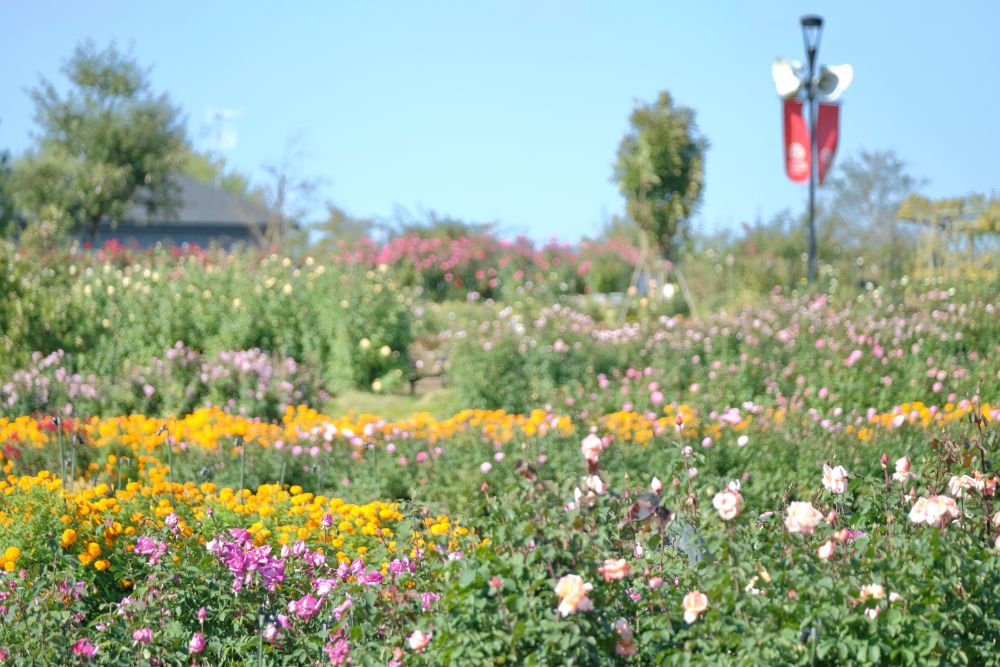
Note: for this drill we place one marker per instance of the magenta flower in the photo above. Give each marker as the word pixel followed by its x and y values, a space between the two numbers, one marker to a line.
pixel 147 546
pixel 340 609
pixel 143 635
pixel 338 650
pixel 371 577
pixel 197 643
pixel 85 648
pixel 324 586
pixel 305 607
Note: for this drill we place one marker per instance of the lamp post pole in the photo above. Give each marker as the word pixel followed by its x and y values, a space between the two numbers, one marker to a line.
pixel 812 27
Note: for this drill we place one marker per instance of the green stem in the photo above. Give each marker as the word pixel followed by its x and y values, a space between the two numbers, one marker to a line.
pixel 62 454
pixel 260 640
pixel 243 466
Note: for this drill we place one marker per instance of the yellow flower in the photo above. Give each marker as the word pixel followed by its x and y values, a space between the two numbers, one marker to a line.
pixel 68 538
pixel 94 549
pixel 101 565
pixel 12 554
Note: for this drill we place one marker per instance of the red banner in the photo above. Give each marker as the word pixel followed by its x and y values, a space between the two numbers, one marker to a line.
pixel 797 159
pixel 827 131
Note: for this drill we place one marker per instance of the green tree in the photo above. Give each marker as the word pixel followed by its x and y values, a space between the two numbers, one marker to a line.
pixel 214 170
pixel 340 226
pixel 660 170
pixel 864 197
pixel 8 218
pixel 974 219
pixel 109 144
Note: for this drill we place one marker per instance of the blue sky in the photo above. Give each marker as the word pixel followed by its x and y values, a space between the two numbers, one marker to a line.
pixel 512 111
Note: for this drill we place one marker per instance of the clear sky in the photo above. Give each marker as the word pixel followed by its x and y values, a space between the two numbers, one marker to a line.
pixel 512 111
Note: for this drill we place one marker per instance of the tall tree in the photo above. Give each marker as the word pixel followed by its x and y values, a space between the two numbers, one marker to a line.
pixel 289 196
pixel 660 170
pixel 105 146
pixel 7 217
pixel 865 195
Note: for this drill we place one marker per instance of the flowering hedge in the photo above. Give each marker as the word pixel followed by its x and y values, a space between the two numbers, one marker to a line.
pixel 216 539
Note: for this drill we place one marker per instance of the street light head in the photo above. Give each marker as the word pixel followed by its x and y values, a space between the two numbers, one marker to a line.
pixel 787 75
pixel 812 26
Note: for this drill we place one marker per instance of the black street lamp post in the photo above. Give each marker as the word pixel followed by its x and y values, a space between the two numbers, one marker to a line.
pixel 812 28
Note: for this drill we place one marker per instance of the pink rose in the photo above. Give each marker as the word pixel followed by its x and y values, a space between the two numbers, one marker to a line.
pixel 728 503
pixel 614 569
pixel 825 551
pixel 835 479
pixel 902 470
pixel 418 641
pixel 592 446
pixel 802 518
pixel 958 485
pixel 197 643
pixel 572 592
pixel 695 603
pixel 937 511
pixel 872 592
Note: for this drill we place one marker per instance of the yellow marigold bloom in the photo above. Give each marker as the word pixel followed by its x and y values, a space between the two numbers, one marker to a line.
pixel 68 538
pixel 12 553
pixel 94 549
pixel 86 558
pixel 10 566
pixel 101 565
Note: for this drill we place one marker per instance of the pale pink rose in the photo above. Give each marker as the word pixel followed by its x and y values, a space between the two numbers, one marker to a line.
pixel 941 510
pixel 918 513
pixel 957 486
pixel 614 569
pixel 872 612
pixel 902 473
pixel 418 641
pixel 655 582
pixel 625 647
pixel 572 592
pixel 729 504
pixel 594 484
pixel 802 518
pixel 996 520
pixel 872 592
pixel 592 446
pixel 835 479
pixel 895 597
pixel 695 603
pixel 656 485
pixel 825 551
pixel 937 511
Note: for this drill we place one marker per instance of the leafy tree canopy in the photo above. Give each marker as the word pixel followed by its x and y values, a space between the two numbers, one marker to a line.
pixel 660 170
pixel 104 146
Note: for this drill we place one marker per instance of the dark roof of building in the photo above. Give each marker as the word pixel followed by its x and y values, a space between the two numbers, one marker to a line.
pixel 200 204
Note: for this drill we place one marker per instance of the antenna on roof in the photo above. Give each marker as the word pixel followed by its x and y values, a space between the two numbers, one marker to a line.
pixel 222 135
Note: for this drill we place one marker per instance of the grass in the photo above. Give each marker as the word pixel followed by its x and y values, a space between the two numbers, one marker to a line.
pixel 440 403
